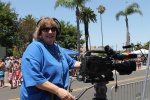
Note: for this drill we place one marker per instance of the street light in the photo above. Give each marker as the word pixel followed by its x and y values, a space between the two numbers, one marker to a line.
pixel 101 9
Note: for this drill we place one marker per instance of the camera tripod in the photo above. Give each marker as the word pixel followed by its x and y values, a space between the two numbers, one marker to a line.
pixel 100 91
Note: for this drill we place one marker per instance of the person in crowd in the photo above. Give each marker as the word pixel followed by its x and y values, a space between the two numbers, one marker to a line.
pixel 11 75
pixel 17 73
pixel 12 59
pixel 45 66
pixel 21 78
pixel 7 62
pixel 2 73
pixel 139 64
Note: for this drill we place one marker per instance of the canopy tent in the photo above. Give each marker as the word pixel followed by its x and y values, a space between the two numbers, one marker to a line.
pixel 141 51
pixel 71 52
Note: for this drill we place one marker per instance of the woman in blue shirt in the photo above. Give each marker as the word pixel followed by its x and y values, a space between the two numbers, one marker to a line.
pixel 45 66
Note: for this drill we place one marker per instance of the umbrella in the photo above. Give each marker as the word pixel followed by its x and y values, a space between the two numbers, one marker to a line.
pixel 144 51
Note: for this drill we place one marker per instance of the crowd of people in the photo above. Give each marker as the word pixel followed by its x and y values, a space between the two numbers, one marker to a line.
pixel 10 65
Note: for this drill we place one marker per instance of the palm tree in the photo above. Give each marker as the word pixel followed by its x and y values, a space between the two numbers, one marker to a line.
pixel 71 4
pixel 131 9
pixel 87 15
pixel 101 9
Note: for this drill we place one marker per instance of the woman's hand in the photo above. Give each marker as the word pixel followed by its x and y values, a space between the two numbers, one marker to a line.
pixel 60 92
pixel 64 94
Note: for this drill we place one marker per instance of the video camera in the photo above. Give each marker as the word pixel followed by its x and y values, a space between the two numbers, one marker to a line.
pixel 96 68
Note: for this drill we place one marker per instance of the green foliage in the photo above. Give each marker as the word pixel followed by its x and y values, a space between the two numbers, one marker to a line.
pixel 71 4
pixel 24 34
pixel 101 9
pixel 8 26
pixel 131 9
pixel 68 36
pixel 146 45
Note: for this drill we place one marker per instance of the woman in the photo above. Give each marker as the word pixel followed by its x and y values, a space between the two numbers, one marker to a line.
pixel 11 74
pixel 45 66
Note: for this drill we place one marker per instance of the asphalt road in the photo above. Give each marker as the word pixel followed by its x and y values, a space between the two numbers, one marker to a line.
pixel 78 86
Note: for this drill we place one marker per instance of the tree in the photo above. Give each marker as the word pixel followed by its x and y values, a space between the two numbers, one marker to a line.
pixel 24 34
pixel 87 15
pixel 71 4
pixel 101 9
pixel 67 38
pixel 146 46
pixel 131 9
pixel 8 26
pixel 28 27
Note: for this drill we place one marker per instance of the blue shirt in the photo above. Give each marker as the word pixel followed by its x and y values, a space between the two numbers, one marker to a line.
pixel 41 63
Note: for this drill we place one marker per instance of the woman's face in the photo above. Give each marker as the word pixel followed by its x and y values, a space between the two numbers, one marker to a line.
pixel 48 34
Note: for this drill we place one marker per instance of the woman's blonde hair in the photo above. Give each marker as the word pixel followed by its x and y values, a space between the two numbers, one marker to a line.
pixel 42 23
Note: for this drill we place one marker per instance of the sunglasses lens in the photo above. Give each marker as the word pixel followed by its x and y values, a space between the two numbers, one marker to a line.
pixel 53 29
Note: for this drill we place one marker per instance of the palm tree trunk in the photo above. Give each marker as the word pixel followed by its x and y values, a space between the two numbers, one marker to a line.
pixel 78 30
pixel 127 35
pixel 86 35
pixel 101 29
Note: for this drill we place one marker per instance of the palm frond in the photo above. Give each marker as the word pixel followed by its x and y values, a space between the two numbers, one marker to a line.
pixel 64 3
pixel 133 8
pixel 120 13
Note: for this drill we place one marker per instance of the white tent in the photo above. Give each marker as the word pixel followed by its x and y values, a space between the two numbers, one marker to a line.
pixel 141 51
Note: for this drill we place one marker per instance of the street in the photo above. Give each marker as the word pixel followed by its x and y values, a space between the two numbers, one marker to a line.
pixel 78 86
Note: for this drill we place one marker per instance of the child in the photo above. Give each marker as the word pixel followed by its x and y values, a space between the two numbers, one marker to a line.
pixel 17 73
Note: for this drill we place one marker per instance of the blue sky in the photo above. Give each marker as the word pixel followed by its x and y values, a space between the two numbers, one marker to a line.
pixel 114 32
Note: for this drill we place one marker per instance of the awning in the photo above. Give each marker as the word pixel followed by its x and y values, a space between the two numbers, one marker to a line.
pixel 71 52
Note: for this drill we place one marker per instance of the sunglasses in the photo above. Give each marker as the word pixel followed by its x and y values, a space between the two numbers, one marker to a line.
pixel 53 29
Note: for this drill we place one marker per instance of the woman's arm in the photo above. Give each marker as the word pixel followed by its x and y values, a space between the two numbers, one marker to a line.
pixel 77 65
pixel 60 92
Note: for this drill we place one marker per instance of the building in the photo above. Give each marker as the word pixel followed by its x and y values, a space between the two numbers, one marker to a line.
pixel 83 49
pixel 2 51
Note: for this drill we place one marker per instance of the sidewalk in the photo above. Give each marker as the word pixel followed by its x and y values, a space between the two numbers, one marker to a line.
pixel 7 84
pixel 143 67
pixel 6 80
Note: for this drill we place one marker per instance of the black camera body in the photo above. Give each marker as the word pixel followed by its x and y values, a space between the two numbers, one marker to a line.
pixel 100 68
